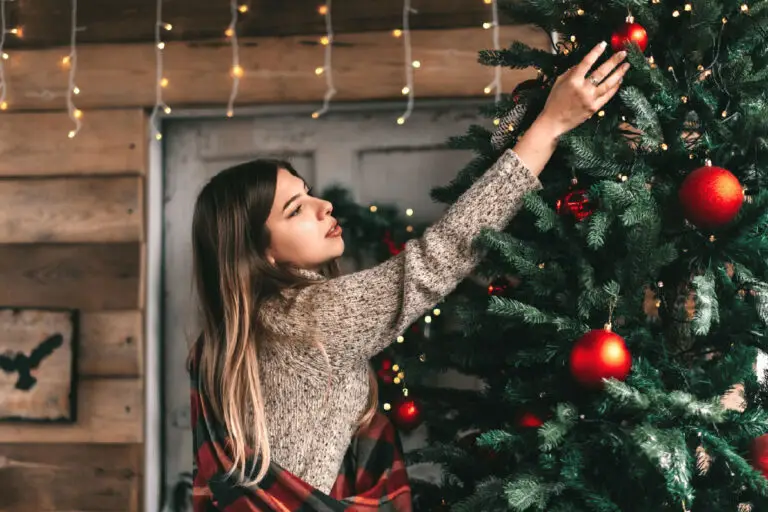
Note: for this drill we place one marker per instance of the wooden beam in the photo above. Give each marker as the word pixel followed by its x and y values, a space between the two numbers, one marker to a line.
pixel 133 21
pixel 71 210
pixel 36 144
pixel 366 66
pixel 59 477
pixel 108 411
pixel 88 276
pixel 110 344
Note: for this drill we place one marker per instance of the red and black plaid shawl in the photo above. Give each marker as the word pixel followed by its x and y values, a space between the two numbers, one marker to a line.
pixel 372 475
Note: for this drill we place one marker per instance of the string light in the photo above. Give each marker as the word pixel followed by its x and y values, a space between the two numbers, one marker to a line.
pixel 160 81
pixel 410 64
pixel 236 71
pixel 75 114
pixel 496 84
pixel 327 41
pixel 3 83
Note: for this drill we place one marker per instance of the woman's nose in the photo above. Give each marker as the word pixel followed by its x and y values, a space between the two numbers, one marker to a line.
pixel 326 208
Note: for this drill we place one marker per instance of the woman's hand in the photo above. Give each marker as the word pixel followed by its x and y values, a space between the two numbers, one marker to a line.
pixel 578 94
pixel 575 97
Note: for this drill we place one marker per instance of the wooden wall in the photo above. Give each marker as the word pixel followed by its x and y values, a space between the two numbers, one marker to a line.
pixel 72 231
pixel 73 226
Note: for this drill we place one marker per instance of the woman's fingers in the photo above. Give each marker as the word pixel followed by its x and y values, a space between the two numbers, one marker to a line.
pixel 607 67
pixel 612 82
pixel 582 68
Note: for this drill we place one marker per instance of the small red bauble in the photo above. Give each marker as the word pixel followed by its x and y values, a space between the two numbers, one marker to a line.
pixel 394 248
pixel 629 33
pixel 385 373
pixel 497 288
pixel 600 354
pixel 529 420
pixel 575 203
pixel 760 454
pixel 406 414
pixel 711 196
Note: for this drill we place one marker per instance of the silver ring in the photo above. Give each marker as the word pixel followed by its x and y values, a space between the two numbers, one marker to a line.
pixel 594 81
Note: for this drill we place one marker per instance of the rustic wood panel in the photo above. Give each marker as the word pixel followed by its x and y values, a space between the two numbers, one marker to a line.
pixel 111 344
pixel 37 356
pixel 37 143
pixel 60 477
pixel 109 411
pixel 71 210
pixel 198 74
pixel 87 276
pixel 134 20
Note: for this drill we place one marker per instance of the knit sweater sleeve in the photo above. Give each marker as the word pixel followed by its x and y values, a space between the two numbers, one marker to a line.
pixel 359 314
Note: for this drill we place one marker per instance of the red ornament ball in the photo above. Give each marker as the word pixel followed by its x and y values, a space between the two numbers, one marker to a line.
pixel 760 454
pixel 406 414
pixel 630 32
pixel 575 203
pixel 711 196
pixel 529 420
pixel 600 354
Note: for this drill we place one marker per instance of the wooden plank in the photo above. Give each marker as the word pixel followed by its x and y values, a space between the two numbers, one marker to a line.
pixel 88 276
pixel 69 477
pixel 366 66
pixel 37 143
pixel 38 350
pixel 108 411
pixel 71 210
pixel 110 344
pixel 133 21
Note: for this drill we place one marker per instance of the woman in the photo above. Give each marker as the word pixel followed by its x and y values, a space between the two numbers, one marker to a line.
pixel 283 358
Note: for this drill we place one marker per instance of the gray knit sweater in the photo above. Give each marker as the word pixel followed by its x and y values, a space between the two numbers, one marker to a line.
pixel 312 403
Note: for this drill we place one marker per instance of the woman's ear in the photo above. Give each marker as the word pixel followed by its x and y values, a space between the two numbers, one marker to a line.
pixel 268 256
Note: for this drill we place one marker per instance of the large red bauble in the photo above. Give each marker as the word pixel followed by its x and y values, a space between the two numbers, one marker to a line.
pixel 711 196
pixel 629 33
pixel 600 354
pixel 760 454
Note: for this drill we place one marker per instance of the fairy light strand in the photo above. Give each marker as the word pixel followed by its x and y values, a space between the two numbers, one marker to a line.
pixel 3 56
pixel 327 69
pixel 160 80
pixel 496 85
pixel 74 113
pixel 237 71
pixel 410 64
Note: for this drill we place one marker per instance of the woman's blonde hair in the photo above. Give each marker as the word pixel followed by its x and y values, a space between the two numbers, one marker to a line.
pixel 233 278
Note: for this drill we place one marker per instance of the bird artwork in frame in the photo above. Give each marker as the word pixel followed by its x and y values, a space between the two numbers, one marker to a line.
pixel 37 365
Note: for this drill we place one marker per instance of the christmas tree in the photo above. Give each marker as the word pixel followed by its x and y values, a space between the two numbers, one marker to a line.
pixel 617 333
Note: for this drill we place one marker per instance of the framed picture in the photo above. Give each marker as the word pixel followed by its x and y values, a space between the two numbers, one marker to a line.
pixel 38 365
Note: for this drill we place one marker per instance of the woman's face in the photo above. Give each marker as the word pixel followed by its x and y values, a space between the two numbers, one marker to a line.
pixel 302 232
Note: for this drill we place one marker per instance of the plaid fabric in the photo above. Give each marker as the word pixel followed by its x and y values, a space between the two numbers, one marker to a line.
pixel 372 475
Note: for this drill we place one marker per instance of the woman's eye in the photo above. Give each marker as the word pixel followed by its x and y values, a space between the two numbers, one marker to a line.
pixel 296 211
